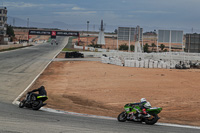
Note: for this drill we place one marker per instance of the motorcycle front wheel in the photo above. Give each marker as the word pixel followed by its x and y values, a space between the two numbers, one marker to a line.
pixel 122 117
pixel 22 104
pixel 37 105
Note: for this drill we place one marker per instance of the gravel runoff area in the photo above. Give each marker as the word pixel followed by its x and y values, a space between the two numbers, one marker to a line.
pixel 91 87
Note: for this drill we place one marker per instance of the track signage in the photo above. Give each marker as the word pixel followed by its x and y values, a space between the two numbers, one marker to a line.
pixel 67 33
pixel 39 32
pixel 53 33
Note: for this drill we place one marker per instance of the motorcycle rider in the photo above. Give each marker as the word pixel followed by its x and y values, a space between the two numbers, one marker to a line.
pixel 41 92
pixel 144 104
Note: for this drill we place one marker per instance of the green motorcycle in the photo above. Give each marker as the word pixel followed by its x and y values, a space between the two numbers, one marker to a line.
pixel 135 113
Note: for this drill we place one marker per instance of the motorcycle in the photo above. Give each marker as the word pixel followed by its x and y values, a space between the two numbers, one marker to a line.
pixel 35 102
pixel 135 113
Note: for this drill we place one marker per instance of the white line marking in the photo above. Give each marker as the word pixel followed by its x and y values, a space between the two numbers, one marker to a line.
pixel 111 118
pixel 177 125
pixel 78 114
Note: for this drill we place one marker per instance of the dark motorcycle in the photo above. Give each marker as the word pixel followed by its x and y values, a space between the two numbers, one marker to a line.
pixel 35 102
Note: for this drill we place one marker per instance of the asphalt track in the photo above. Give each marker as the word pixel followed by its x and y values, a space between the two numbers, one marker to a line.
pixel 17 70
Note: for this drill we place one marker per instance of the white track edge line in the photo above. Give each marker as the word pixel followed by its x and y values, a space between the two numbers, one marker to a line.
pixel 112 118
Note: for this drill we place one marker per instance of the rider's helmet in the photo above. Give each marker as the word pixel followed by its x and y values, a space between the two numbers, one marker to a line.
pixel 143 100
pixel 42 87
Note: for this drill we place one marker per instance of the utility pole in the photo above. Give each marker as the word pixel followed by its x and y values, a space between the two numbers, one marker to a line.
pixel 94 27
pixel 13 21
pixel 113 42
pixel 129 38
pixel 27 22
pixel 87 31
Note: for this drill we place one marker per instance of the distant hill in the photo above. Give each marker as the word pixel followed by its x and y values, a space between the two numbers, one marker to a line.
pixel 56 24
pixel 23 23
pixel 83 27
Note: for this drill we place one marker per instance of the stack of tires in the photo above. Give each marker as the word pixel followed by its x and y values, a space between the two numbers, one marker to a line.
pixel 74 55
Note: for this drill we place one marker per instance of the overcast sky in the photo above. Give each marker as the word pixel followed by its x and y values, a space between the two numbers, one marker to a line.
pixel 165 14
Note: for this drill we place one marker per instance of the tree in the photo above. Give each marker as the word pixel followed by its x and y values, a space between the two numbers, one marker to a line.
pixel 153 45
pixel 115 31
pixel 162 46
pixel 10 31
pixel 123 47
pixel 165 50
pixel 146 48
pixel 132 47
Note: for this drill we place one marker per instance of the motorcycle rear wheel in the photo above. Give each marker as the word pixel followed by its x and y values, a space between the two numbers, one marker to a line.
pixel 37 105
pixel 152 120
pixel 122 117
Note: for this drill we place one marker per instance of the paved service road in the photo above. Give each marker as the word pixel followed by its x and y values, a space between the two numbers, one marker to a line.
pixel 18 68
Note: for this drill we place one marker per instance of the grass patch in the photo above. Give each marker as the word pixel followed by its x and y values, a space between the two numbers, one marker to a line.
pixel 49 40
pixel 70 49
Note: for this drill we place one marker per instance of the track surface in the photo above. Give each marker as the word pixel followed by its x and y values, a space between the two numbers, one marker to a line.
pixel 17 70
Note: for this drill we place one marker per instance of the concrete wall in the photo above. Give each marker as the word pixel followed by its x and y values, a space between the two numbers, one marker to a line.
pixel 12 46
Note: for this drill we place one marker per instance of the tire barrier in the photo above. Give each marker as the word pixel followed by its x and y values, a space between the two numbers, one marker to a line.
pixel 110 60
pixel 195 65
pixel 74 55
pixel 183 65
pixel 147 63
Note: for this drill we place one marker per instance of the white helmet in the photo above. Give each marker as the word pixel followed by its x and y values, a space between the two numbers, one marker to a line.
pixel 143 100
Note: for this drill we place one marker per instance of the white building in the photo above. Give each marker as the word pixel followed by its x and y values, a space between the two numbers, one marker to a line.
pixel 3 25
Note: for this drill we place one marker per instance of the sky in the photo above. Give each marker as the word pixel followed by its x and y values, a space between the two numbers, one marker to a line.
pixel 149 14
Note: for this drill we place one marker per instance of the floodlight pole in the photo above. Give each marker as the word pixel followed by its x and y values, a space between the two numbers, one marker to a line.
pixel 117 39
pixel 189 44
pixel 129 45
pixel 182 44
pixel 170 41
pixel 28 37
pixel 28 22
pixel 157 41
pixel 142 42
pixel 113 42
pixel 87 31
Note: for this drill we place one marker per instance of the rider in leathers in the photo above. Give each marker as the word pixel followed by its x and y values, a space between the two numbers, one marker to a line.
pixel 142 105
pixel 41 92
